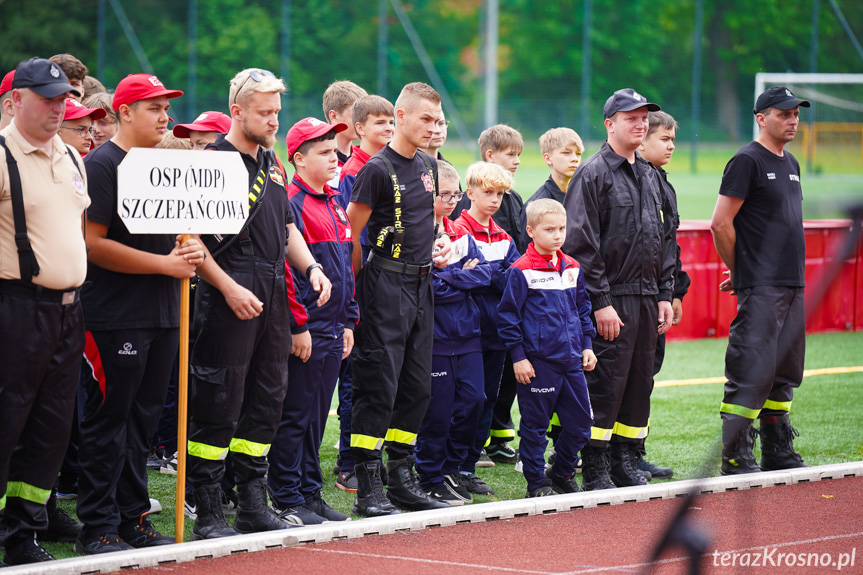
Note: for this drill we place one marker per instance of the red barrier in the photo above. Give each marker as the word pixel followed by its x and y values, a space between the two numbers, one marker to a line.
pixel 708 313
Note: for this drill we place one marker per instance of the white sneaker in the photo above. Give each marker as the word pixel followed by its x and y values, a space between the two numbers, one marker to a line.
pixel 155 506
pixel 189 510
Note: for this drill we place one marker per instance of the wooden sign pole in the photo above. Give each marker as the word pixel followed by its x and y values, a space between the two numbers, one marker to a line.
pixel 182 408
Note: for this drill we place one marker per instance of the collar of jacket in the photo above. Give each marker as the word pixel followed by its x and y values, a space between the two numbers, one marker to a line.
pixel 542 263
pixel 300 183
pixel 475 226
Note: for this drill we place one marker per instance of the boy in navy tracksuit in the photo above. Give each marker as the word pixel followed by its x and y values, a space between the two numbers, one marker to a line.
pixel 545 324
pixel 448 429
pixel 295 479
pixel 487 184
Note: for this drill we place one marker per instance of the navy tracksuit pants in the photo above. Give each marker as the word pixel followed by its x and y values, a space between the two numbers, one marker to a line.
pixel 295 472
pixel 492 362
pixel 448 430
pixel 555 389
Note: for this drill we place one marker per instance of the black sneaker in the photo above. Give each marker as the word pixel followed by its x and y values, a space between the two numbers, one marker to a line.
pixel 320 507
pixel 168 465
pixel 337 467
pixel 61 527
pixel 98 544
pixel 300 515
pixel 541 491
pixel 457 487
pixel 154 461
pixel 651 471
pixel 561 484
pixel 26 552
pixel 347 481
pixel 141 533
pixel 441 493
pixel 474 484
pixel 484 460
pixel 502 453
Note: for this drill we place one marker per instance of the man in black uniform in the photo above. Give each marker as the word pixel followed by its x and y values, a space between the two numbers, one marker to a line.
pixel 758 231
pixel 394 195
pixel 614 204
pixel 243 323
pixel 41 323
pixel 132 314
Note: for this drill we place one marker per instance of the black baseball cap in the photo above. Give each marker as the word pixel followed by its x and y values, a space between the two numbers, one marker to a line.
pixel 43 77
pixel 778 97
pixel 625 100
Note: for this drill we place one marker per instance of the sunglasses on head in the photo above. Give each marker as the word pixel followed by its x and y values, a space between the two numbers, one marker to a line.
pixel 257 76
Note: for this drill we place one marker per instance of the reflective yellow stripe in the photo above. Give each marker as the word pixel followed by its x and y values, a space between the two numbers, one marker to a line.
pixel 3 502
pixel 253 197
pixel 205 451
pixel 778 405
pixel 260 179
pixel 555 420
pixel 504 433
pixel 739 410
pixel 399 436
pixel 249 447
pixel 629 431
pixel 367 442
pixel 27 492
pixel 600 434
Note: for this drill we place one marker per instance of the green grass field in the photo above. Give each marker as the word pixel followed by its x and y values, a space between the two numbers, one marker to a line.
pixel 684 423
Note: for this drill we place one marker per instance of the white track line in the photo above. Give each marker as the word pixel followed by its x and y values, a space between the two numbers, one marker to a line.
pixel 475 513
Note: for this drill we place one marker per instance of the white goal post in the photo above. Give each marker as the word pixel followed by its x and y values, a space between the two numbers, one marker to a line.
pixel 764 78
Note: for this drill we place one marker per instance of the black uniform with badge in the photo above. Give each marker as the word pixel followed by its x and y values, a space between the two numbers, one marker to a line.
pixel 392 354
pixel 239 368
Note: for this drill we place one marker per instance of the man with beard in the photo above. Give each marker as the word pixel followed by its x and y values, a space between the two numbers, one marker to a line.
pixel 243 324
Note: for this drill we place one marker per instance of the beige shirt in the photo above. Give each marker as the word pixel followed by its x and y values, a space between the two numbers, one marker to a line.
pixel 55 196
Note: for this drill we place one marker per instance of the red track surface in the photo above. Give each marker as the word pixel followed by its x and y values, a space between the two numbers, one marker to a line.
pixel 824 517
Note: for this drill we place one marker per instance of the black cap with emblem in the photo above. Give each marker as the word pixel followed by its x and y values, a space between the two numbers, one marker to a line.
pixel 43 77
pixel 625 100
pixel 778 97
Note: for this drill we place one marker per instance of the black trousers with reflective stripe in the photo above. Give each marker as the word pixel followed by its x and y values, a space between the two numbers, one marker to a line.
pixel 40 353
pixel 622 381
pixel 239 370
pixel 392 357
pixel 120 418
pixel 770 322
pixel 502 426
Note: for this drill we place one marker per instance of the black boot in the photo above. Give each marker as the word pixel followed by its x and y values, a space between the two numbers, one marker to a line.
pixel 254 513
pixel 777 444
pixel 649 470
pixel 624 465
pixel 210 522
pixel 594 471
pixel 738 438
pixel 371 501
pixel 404 490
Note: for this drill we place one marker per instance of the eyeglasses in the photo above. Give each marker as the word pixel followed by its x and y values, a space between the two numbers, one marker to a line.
pixel 450 197
pixel 257 76
pixel 443 123
pixel 83 132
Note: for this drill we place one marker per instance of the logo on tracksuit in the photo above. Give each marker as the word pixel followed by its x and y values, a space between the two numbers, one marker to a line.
pixel 127 350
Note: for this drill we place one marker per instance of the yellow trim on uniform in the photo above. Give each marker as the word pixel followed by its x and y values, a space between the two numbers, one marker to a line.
pixel 399 436
pixel 3 502
pixel 249 447
pixel 600 434
pixel 628 431
pixel 366 442
pixel 555 420
pixel 778 405
pixel 740 410
pixel 503 433
pixel 27 492
pixel 204 451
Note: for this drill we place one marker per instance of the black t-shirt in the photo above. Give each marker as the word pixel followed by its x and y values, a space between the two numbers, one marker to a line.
pixel 771 247
pixel 267 231
pixel 114 300
pixel 374 188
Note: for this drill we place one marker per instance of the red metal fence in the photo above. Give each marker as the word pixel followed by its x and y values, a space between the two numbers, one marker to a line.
pixel 708 313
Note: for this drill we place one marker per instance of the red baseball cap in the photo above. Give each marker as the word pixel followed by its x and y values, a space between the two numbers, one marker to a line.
pixel 75 110
pixel 206 122
pixel 136 87
pixel 309 129
pixel 6 84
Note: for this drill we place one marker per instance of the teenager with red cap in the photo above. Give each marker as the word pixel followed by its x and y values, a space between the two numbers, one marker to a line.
pixel 132 314
pixel 77 127
pixel 205 129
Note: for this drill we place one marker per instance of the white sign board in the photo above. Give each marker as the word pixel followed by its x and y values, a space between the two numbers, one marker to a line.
pixel 182 192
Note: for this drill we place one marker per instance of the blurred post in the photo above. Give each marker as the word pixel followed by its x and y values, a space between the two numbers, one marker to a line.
pixel 192 88
pixel 285 62
pixel 697 43
pixel 491 41
pixel 182 409
pixel 584 128
pixel 383 46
